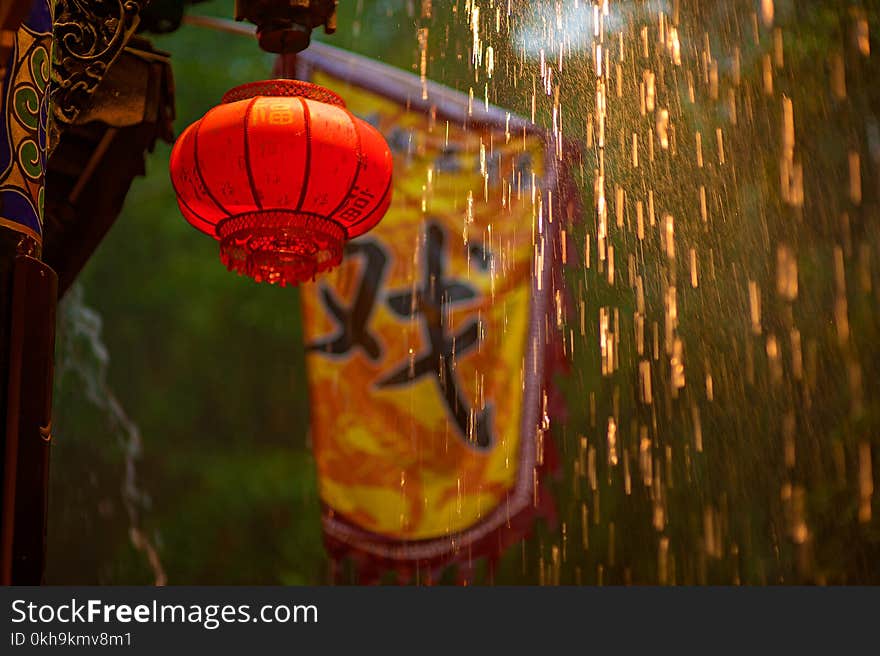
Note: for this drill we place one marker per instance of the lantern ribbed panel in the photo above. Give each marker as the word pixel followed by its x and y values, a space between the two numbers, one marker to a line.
pixel 282 165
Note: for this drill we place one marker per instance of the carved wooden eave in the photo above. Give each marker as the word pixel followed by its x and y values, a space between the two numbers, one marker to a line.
pixel 101 151
pixel 111 97
pixel 89 35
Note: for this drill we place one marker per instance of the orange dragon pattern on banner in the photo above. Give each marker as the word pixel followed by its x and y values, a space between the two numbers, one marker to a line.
pixel 425 347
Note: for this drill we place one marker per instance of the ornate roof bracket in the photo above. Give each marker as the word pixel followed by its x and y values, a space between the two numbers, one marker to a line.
pixel 89 36
pixel 100 154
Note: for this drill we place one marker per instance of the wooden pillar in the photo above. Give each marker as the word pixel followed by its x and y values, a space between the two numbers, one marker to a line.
pixel 28 290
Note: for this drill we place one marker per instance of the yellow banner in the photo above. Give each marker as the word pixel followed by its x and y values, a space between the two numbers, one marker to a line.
pixel 418 344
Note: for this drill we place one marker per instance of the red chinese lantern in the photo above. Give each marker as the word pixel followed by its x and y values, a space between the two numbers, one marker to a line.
pixel 282 175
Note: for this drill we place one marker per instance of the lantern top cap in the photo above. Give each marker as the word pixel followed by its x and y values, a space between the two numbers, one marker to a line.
pixel 283 89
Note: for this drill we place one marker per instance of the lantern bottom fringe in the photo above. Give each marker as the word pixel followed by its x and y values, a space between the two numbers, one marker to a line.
pixel 280 247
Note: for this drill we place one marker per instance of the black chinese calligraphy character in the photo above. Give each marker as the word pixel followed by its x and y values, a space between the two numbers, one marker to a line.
pixel 352 321
pixel 481 256
pixel 429 302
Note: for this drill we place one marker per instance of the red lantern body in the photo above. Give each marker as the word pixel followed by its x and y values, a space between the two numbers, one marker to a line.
pixel 282 174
